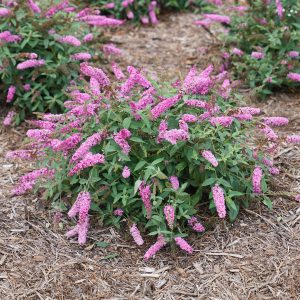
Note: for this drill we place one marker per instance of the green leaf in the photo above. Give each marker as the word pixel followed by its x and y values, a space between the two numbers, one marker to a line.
pixel 102 244
pixel 126 122
pixel 110 256
pixel 209 181
pixel 139 165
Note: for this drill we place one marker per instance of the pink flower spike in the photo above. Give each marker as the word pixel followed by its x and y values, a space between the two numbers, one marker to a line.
pixel 174 182
pixel 169 215
pixel 145 193
pixel 210 157
pixel 184 245
pixel 155 248
pixel 256 180
pixel 293 139
pixel 118 212
pixel 126 172
pixel 219 200
pixel 11 93
pixel 276 121
pixel 136 235
pixel 294 77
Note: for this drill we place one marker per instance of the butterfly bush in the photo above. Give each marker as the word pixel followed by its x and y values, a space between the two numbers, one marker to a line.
pixel 263 44
pixel 162 165
pixel 144 11
pixel 41 49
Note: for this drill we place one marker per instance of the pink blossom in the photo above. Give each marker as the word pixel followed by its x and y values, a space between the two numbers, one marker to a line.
pixel 279 8
pixel 39 134
pixel 20 154
pixel 294 76
pixel 155 247
pixel 28 180
pixel 11 93
pixel 54 9
pixel 257 55
pixel 30 63
pixel 274 171
pixel 81 229
pixel 249 110
pixel 237 51
pixel 276 121
pixel 67 144
pixel 4 12
pixel 44 124
pixel 81 56
pixel 151 10
pixel 88 38
pixel 175 135
pixel 111 49
pixel 210 157
pixel 118 212
pixel 219 200
pixel 89 160
pixel 130 15
pixel 163 106
pixel 110 5
pixel 217 18
pixel 145 193
pixel 256 180
pixel 174 182
pixel 223 121
pixel 95 86
pixel 184 245
pixel 243 117
pixel 196 103
pixel 269 133
pixel 293 54
pixel 126 172
pixel 169 215
pixel 163 127
pixel 136 235
pixel 144 20
pixel 9 118
pixel 34 7
pixel 297 198
pixel 96 73
pixel 104 21
pixel 70 40
pixel 189 118
pixel 120 139
pixel 7 37
pixel 294 139
pixel 117 71
pixel 196 225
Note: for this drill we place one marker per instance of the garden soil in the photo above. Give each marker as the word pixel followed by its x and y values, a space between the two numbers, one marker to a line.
pixel 256 257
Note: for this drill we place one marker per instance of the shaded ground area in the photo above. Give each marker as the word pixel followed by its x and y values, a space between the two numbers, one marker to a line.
pixel 168 49
pixel 257 257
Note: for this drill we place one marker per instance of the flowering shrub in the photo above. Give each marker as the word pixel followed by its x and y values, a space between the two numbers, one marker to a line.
pixel 144 10
pixel 266 39
pixel 39 54
pixel 156 155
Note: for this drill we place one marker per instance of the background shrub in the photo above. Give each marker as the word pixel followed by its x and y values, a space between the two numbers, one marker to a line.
pixel 44 36
pixel 268 33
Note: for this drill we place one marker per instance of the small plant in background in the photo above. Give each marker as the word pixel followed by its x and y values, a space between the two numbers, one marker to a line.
pixel 264 45
pixel 145 11
pixel 41 48
pixel 158 156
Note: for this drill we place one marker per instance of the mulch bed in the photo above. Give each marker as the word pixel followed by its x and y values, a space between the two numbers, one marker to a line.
pixel 256 257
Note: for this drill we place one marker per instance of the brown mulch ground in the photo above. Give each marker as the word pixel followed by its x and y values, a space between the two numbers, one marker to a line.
pixel 257 257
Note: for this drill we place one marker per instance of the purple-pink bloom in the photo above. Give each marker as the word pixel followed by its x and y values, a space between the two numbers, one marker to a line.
pixel 145 193
pixel 70 40
pixel 294 139
pixel 89 160
pixel 4 12
pixel 30 63
pixel 117 71
pixel 223 121
pixel 256 180
pixel 134 231
pixel 111 49
pixel 174 182
pixel 237 52
pixel 126 172
pixel 217 18
pixel 189 118
pixel 120 139
pixel 88 38
pixel 269 133
pixel 163 106
pixel 118 212
pixel 219 200
pixel 81 56
pixel 257 55
pixel 11 93
pixel 184 245
pixel 276 121
pixel 155 247
pixel 169 212
pixel 9 118
pixel 210 157
pixel 294 76
pixel 196 225
pixel 293 54
pixel 96 73
pixel 33 6
pixel 279 8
